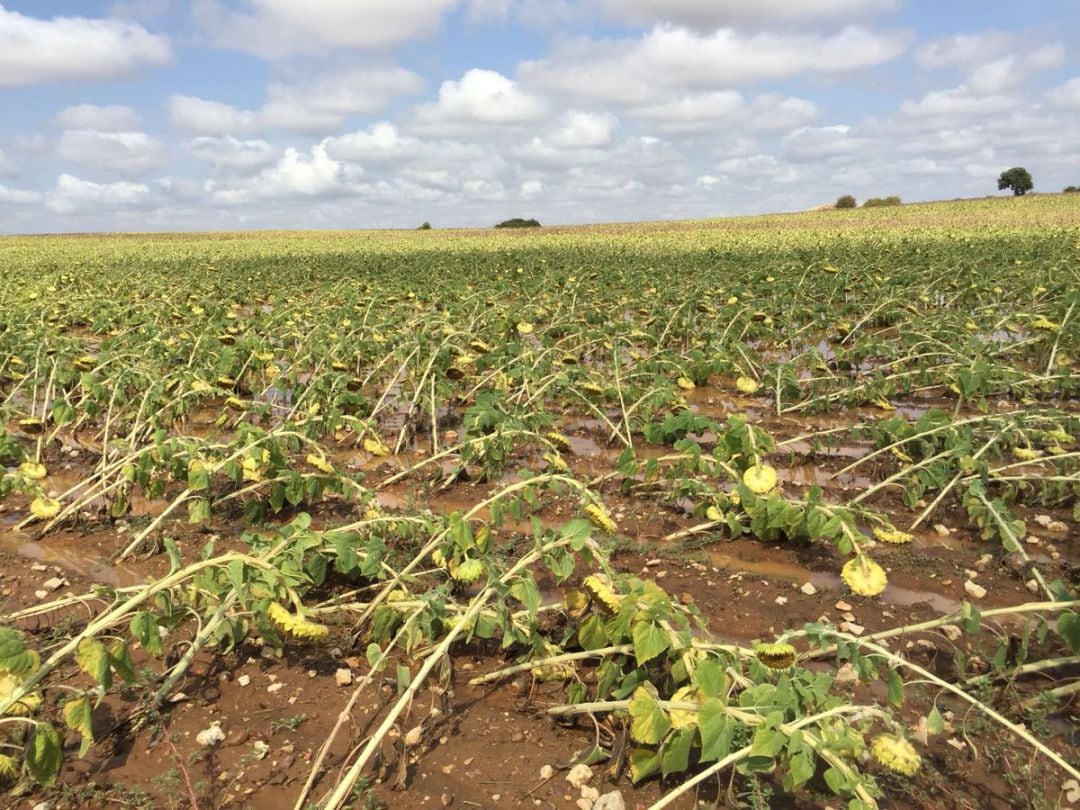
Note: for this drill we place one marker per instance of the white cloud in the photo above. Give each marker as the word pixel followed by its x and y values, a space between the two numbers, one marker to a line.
pixel 17 195
pixel 728 109
pixel 109 118
pixel 34 51
pixel 382 142
pixel 963 49
pixel 713 14
pixel 578 130
pixel 296 175
pixel 227 152
pixel 1067 94
pixel 646 70
pixel 314 107
pixel 957 102
pixel 482 97
pixel 125 152
pixel 7 166
pixel 209 117
pixel 275 28
pixel 72 194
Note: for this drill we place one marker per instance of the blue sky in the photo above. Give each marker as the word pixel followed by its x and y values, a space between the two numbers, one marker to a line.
pixel 222 114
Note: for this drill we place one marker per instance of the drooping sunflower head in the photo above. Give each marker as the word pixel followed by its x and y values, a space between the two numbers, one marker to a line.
pixel 599 518
pixel 602 594
pixel 894 536
pixel 296 626
pixel 32 470
pixel 760 479
pixel 896 754
pixel 864 576
pixel 746 385
pixel 44 508
pixel 775 656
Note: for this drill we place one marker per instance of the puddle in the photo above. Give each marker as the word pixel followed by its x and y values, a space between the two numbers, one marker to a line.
pixel 76 561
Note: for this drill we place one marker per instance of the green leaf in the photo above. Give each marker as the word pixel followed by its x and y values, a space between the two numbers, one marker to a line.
pixel 144 628
pixel 935 723
pixel 643 764
pixel 577 531
pixel 44 754
pixel 1068 627
pixel 837 782
pixel 14 655
pixel 709 676
pixel 717 730
pixel 198 477
pixel 120 658
pixel 896 688
pixel 93 659
pixel 198 511
pixel 591 634
pixel 675 755
pixel 649 722
pixel 78 716
pixel 650 640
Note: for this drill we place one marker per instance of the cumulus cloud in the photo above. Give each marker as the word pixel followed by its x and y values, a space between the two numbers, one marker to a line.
pixel 963 49
pixel 382 142
pixel 645 70
pixel 579 129
pixel 713 14
pixel 227 152
pixel 480 97
pixel 17 195
pixel 295 175
pixel 727 109
pixel 131 153
pixel 72 194
pixel 109 118
pixel 275 28
pixel 1067 94
pixel 314 107
pixel 35 51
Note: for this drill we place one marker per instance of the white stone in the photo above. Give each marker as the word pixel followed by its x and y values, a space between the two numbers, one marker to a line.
pixel 952 632
pixel 343 677
pixel 974 590
pixel 1043 520
pixel 547 772
pixel 610 801
pixel 274 687
pixel 590 793
pixel 808 588
pixel 244 680
pixel 1057 527
pixel 941 530
pixel 579 775
pixel 842 605
pixel 211 736
pixel 54 584
pixel 781 600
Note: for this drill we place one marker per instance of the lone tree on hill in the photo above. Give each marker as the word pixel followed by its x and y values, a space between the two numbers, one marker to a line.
pixel 1018 179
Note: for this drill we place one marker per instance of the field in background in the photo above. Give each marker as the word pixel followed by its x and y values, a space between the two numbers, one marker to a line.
pixel 786 505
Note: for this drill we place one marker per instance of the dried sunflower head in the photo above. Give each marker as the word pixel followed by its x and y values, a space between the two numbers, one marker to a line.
pixel 599 518
pixel 603 595
pixel 296 626
pixel 864 576
pixel 775 656
pixel 560 441
pixel 760 479
pixel 896 754
pixel 892 535
pixel 44 508
pixel 32 470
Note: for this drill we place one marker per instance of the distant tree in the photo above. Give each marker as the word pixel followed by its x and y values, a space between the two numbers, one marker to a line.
pixel 1072 189
pixel 425 227
pixel 881 202
pixel 518 222
pixel 1018 179
pixel 847 201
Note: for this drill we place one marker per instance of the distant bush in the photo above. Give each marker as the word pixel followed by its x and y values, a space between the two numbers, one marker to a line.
pixel 425 227
pixel 881 202
pixel 1072 190
pixel 847 201
pixel 518 222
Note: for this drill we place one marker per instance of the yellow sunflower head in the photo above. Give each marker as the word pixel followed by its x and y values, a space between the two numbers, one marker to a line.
pixel 44 508
pixel 746 385
pixel 760 479
pixel 599 518
pixel 296 626
pixel 775 656
pixel 32 470
pixel 864 576
pixel 894 536
pixel 896 754
pixel 603 595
